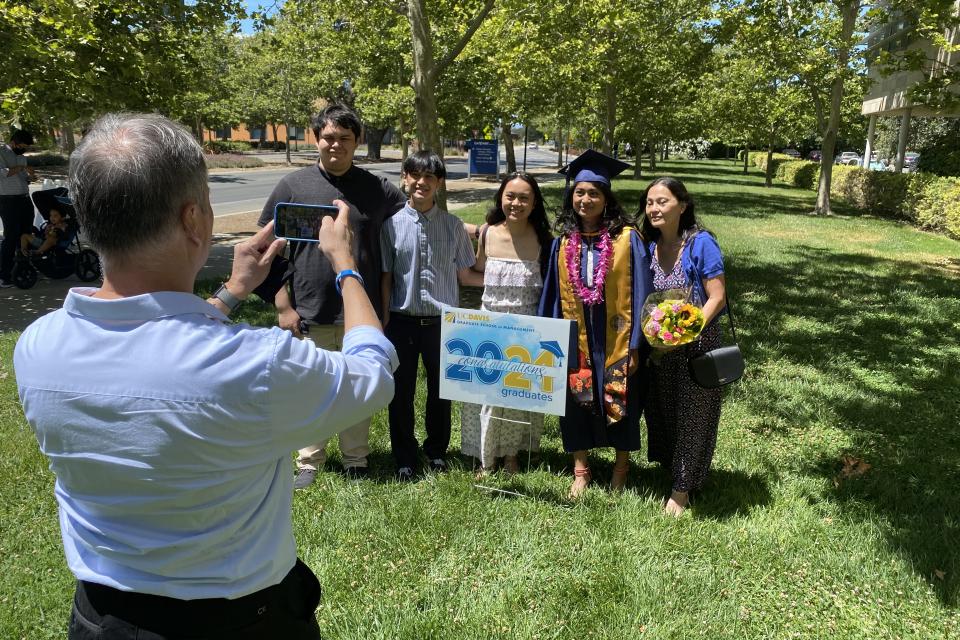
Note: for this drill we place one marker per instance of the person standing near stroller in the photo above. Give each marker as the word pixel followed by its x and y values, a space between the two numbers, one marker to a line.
pixel 16 210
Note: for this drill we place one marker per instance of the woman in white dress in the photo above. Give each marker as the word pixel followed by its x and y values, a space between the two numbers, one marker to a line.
pixel 512 252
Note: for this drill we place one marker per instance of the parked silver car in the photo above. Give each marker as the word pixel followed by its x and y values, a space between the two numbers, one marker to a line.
pixel 848 157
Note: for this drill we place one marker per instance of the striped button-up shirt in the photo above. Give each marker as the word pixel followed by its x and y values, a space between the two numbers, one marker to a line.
pixel 12 185
pixel 424 252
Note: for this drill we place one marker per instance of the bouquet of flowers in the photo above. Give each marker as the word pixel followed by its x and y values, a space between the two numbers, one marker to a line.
pixel 670 319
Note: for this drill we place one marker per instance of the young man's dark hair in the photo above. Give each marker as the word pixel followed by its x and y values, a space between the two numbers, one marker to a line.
pixel 22 137
pixel 337 114
pixel 424 162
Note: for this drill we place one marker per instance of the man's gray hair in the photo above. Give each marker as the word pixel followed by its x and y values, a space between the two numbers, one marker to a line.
pixel 130 177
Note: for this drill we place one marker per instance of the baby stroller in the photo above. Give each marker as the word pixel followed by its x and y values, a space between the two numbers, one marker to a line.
pixel 67 257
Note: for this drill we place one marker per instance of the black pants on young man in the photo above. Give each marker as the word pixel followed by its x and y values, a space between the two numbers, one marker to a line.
pixel 285 610
pixel 416 337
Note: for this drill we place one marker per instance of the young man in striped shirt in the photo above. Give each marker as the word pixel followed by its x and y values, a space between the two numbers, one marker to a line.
pixel 426 254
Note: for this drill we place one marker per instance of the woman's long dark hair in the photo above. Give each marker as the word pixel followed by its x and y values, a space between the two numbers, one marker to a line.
pixel 614 217
pixel 538 216
pixel 689 224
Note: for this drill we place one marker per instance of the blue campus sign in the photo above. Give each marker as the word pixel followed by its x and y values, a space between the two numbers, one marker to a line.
pixel 484 157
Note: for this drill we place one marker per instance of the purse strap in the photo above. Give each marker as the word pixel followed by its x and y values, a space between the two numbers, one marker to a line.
pixel 729 312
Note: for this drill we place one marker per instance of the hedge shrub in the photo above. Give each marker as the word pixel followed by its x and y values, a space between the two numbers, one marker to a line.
pixel 231 161
pixel 226 146
pixel 799 173
pixel 929 201
pixel 47 159
pixel 934 203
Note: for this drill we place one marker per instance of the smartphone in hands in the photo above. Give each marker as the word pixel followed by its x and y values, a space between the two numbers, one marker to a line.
pixel 300 222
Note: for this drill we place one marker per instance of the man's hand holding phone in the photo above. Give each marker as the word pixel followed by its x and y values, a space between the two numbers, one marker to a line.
pixel 336 238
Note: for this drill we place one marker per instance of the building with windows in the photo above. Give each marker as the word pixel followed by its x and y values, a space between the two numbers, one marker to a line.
pixel 263 135
pixel 889 95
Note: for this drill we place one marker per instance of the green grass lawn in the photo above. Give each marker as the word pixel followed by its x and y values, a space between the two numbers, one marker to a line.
pixel 851 331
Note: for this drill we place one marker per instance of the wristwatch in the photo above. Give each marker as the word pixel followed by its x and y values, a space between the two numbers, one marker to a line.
pixel 223 295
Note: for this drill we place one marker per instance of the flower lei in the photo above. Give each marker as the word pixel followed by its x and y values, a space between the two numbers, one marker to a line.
pixel 587 295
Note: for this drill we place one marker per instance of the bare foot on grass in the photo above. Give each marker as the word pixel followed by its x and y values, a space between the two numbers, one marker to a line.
pixel 677 503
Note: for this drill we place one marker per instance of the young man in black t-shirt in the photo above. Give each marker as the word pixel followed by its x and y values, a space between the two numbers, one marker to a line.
pixel 308 304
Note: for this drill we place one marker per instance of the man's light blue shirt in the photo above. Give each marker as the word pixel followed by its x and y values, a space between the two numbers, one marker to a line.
pixel 169 431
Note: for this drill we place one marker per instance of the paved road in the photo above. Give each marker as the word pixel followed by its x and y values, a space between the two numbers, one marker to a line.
pixel 233 192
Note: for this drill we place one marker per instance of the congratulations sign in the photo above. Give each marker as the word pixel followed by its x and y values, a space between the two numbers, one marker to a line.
pixel 504 360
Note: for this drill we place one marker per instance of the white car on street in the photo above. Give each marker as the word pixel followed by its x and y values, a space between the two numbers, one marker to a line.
pixel 847 157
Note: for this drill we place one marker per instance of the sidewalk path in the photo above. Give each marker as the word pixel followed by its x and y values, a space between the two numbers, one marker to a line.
pixel 19 307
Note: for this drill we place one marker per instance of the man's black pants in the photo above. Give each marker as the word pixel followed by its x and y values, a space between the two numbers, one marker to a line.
pixel 416 337
pixel 16 213
pixel 285 610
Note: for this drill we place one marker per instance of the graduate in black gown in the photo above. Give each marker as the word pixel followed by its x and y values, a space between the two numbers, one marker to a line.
pixel 599 276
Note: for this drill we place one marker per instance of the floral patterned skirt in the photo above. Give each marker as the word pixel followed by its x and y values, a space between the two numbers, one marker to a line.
pixel 682 417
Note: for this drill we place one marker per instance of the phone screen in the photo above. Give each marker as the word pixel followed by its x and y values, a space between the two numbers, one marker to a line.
pixel 295 221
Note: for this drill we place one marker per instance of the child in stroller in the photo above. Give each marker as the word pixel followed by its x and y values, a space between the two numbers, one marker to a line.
pixel 56 250
pixel 52 233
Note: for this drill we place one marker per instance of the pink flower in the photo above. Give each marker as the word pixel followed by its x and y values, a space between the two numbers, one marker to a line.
pixel 676 307
pixel 653 327
pixel 667 336
pixel 657 314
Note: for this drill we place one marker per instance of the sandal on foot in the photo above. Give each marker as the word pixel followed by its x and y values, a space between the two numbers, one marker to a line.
pixel 581 480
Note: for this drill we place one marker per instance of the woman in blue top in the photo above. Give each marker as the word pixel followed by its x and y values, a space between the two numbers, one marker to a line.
pixel 682 417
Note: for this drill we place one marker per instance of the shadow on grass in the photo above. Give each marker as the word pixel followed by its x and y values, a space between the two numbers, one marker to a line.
pixel 870 346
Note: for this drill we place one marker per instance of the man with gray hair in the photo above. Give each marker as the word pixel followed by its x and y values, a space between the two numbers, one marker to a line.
pixel 167 427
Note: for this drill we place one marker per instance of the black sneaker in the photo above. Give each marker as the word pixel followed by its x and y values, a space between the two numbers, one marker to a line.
pixel 5 284
pixel 438 465
pixel 305 478
pixel 356 473
pixel 405 474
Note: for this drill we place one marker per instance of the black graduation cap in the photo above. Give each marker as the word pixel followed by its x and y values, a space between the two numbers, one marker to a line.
pixel 57 198
pixel 593 166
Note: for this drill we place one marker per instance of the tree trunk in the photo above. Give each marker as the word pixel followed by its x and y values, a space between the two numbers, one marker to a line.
pixel 637 164
pixel 287 125
pixel 424 77
pixel 69 142
pixel 610 119
pixel 263 137
pixel 768 174
pixel 849 14
pixel 508 146
pixel 746 158
pixel 665 151
pixel 375 142
pixel 275 141
pixel 560 140
pixel 198 129
pixel 653 156
pixel 401 128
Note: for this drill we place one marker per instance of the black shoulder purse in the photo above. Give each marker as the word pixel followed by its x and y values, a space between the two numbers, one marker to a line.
pixel 720 366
